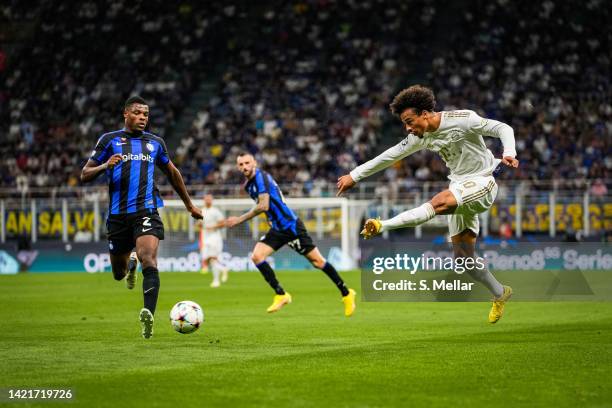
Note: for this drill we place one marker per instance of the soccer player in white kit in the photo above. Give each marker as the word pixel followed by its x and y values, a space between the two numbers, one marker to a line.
pixel 457 137
pixel 211 241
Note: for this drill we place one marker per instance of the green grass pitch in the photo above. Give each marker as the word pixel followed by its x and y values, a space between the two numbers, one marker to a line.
pixel 81 331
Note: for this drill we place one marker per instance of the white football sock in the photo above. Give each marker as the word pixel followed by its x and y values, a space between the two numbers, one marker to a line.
pixel 486 278
pixel 216 269
pixel 410 218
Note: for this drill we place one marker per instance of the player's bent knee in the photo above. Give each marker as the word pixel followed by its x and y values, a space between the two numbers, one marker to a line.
pixel 147 257
pixel 318 263
pixel 444 203
pixel 147 260
pixel 257 258
pixel 149 263
pixel 442 207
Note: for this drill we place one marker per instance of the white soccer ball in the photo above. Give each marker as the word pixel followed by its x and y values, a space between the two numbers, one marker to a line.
pixel 186 316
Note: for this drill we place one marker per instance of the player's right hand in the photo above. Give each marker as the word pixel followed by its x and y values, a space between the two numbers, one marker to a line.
pixel 195 212
pixel 345 182
pixel 114 160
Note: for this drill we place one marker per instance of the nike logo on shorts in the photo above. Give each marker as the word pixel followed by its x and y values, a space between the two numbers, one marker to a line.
pixel 146 229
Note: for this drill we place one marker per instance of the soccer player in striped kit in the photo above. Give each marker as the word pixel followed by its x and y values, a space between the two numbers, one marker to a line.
pixel 457 137
pixel 285 229
pixel 128 157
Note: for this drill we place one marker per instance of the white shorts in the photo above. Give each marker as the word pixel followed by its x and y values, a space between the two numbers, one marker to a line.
pixel 212 248
pixel 474 196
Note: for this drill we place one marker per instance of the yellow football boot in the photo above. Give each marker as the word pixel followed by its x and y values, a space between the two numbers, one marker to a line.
pixel 349 303
pixel 497 310
pixel 371 228
pixel 279 302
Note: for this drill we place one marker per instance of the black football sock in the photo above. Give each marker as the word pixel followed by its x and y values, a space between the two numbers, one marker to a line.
pixel 333 275
pixel 150 287
pixel 268 274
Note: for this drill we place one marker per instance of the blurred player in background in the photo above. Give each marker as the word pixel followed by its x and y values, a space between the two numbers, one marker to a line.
pixel 128 157
pixel 211 241
pixel 457 137
pixel 285 228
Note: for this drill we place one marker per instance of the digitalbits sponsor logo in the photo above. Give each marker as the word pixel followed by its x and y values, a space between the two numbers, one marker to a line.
pixel 139 156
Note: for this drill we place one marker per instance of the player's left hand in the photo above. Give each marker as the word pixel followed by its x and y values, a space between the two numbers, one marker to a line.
pixel 231 222
pixel 196 212
pixel 510 161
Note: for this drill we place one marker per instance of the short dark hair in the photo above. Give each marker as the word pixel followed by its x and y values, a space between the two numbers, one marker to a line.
pixel 418 97
pixel 244 153
pixel 132 100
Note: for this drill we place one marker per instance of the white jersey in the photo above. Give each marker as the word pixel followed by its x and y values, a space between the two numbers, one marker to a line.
pixel 458 140
pixel 212 216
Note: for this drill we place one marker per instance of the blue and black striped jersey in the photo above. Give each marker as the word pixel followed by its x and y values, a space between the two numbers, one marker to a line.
pixel 131 184
pixel 280 216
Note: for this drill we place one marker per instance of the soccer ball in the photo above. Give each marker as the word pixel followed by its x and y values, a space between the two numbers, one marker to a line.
pixel 186 316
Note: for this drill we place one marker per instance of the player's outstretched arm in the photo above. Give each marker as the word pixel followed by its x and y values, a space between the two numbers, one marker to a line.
pixel 176 180
pixel 263 205
pixel 92 169
pixel 404 148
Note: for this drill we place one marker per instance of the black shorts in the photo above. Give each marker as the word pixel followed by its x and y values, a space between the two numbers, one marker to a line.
pixel 123 229
pixel 299 241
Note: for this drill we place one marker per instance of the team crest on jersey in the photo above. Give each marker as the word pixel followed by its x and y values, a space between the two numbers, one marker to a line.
pixel 406 141
pixel 150 147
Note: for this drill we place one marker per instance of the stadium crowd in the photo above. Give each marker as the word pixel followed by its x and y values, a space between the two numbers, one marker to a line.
pixel 308 93
pixel 66 85
pixel 305 85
